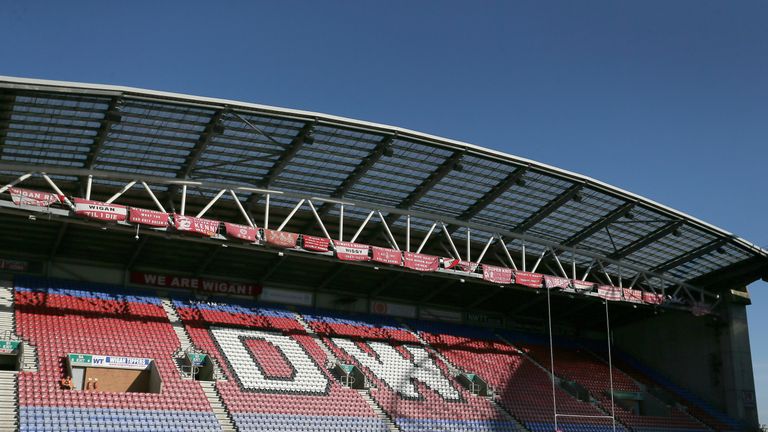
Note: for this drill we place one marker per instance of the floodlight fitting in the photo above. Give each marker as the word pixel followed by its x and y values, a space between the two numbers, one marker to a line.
pixel 309 136
pixel 459 167
pixel 218 128
pixel 676 232
pixel 520 182
pixel 113 117
pixel 577 197
pixel 388 151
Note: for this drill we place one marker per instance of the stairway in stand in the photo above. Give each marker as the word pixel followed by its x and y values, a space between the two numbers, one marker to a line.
pixel 379 412
pixel 9 409
pixel 8 327
pixel 225 419
pixel 185 342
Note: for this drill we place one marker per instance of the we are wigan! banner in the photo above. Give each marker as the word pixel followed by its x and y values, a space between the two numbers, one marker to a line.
pixel 315 244
pixel 100 210
pixel 347 251
pixel 205 227
pixel 30 197
pixel 387 256
pixel 420 262
pixel 241 232
pixel 499 275
pixel 210 286
pixel 146 217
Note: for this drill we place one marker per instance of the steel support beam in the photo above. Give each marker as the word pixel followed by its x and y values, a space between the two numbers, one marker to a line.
pixel 550 208
pixel 355 176
pixel 498 190
pixel 527 305
pixel 689 256
pixel 331 275
pixel 440 172
pixel 206 136
pixel 482 299
pixel 274 265
pixel 136 252
pixel 103 133
pixel 604 222
pixel 386 284
pixel 645 240
pixel 7 102
pixel 290 151
pixel 57 241
pixel 215 250
pixel 436 292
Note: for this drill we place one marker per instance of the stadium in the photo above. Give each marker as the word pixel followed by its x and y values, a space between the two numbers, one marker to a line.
pixel 182 263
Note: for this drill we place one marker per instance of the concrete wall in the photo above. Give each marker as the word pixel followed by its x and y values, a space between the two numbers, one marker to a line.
pixel 681 346
pixel 708 356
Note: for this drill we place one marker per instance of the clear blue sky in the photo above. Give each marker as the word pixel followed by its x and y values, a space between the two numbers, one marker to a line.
pixel 668 99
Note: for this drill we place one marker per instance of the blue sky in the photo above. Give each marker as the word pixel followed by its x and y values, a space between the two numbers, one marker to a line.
pixel 665 99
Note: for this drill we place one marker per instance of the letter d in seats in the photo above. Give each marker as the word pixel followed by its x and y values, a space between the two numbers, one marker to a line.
pixel 307 377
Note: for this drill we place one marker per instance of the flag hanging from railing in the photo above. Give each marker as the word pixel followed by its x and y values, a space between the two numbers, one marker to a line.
pixel 30 197
pixel 100 210
pixel 347 251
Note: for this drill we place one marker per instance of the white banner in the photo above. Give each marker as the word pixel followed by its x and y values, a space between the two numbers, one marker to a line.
pixel 277 295
pixel 439 315
pixel 115 362
pixel 394 309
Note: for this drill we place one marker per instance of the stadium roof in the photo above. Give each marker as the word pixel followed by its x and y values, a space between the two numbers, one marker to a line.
pixel 174 142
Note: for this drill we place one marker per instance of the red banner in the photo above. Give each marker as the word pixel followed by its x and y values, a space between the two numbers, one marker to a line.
pixel 241 232
pixel 609 292
pixel 316 244
pixel 533 280
pixel 387 256
pixel 700 309
pixel 556 282
pixel 632 295
pixel 653 298
pixel 100 211
pixel 420 262
pixel 30 197
pixel 499 275
pixel 467 266
pixel 449 263
pixel 281 238
pixel 13 265
pixel 205 227
pixel 582 285
pixel 151 218
pixel 209 286
pixel 347 251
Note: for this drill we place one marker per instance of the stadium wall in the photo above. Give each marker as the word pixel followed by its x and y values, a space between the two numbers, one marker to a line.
pixel 710 358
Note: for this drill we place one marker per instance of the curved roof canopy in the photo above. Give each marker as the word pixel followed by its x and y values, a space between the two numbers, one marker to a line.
pixel 70 130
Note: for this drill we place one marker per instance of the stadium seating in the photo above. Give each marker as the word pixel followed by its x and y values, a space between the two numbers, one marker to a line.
pixel 277 376
pixel 578 364
pixel 524 389
pixel 695 405
pixel 61 317
pixel 269 388
pixel 415 388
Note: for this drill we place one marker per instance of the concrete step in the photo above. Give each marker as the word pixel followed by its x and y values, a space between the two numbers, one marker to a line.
pixel 217 406
pixel 379 411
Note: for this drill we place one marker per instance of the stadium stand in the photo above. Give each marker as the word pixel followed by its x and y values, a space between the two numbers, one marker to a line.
pixel 577 364
pixel 277 377
pixel 61 317
pixel 523 388
pixel 411 385
pixel 270 388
